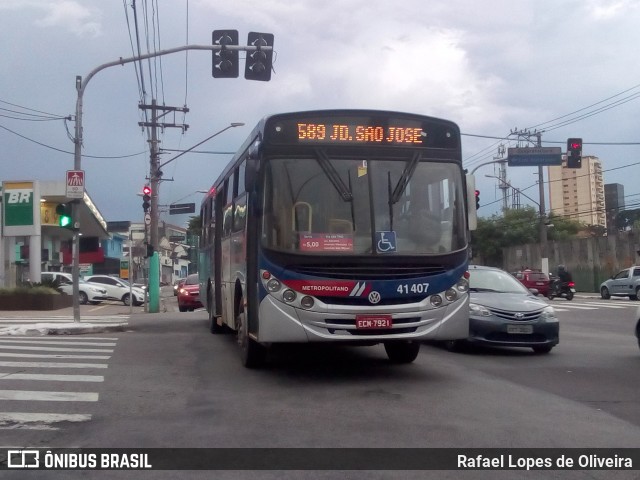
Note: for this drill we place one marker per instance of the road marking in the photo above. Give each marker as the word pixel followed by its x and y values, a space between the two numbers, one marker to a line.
pixel 49 377
pixel 53 365
pixel 46 341
pixel 48 396
pixel 36 355
pixel 57 349
pixel 38 421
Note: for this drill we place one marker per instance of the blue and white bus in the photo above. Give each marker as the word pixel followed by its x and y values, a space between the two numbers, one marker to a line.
pixel 340 226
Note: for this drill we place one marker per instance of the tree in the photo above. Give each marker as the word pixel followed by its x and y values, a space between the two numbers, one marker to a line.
pixel 195 225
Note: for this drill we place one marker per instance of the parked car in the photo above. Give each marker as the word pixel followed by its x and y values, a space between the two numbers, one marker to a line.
pixel 118 289
pixel 504 313
pixel 625 283
pixel 534 279
pixel 87 293
pixel 189 294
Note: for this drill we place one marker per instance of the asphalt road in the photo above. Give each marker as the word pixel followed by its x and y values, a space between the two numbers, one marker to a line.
pixel 169 383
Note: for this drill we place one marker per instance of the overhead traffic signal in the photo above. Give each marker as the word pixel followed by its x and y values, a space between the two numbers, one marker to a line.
pixel 64 213
pixel 146 198
pixel 477 199
pixel 258 63
pixel 574 153
pixel 225 61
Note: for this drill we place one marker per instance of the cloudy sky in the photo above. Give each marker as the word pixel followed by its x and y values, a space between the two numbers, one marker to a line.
pixel 566 67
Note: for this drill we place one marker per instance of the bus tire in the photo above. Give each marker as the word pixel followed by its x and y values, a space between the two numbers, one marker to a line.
pixel 402 351
pixel 214 328
pixel 252 354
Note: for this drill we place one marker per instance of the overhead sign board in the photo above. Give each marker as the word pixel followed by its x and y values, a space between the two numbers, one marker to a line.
pixel 534 156
pixel 75 184
pixel 180 208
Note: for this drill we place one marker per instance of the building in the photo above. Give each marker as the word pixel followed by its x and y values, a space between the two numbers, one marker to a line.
pixel 578 193
pixel 614 202
pixel 32 240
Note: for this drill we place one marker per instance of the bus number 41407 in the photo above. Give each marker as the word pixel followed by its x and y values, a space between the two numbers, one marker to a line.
pixel 406 289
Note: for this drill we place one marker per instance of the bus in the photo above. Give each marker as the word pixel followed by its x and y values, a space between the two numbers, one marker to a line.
pixel 340 226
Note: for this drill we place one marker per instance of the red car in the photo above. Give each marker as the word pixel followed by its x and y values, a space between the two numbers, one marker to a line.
pixel 535 279
pixel 189 294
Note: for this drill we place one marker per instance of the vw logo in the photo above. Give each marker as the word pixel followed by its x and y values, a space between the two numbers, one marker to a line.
pixel 519 315
pixel 374 297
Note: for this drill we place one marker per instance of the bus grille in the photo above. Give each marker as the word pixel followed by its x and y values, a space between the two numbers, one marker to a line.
pixel 357 271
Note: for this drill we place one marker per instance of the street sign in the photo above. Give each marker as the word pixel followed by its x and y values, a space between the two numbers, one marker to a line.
pixel 75 183
pixel 534 156
pixel 177 238
pixel 180 208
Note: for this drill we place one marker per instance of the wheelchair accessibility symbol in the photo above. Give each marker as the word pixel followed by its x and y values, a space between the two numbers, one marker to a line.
pixel 385 242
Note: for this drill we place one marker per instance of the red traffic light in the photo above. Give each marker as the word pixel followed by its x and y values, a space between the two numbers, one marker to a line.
pixel 146 190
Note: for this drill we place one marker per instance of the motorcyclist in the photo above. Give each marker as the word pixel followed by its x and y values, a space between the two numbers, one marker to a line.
pixel 563 274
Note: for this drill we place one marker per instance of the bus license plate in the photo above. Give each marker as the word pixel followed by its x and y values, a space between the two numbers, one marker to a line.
pixel 372 322
pixel 519 328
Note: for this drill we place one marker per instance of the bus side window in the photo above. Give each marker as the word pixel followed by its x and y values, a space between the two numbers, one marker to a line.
pixel 227 212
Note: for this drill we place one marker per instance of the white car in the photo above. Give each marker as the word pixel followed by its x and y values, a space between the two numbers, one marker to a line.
pixel 118 289
pixel 87 293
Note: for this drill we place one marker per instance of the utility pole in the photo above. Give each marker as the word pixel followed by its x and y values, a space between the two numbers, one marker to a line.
pixel 526 135
pixel 155 174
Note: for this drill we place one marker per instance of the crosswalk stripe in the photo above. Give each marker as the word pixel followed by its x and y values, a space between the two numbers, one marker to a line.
pixel 50 377
pixel 38 421
pixel 52 365
pixel 54 355
pixel 56 349
pixel 46 341
pixel 48 396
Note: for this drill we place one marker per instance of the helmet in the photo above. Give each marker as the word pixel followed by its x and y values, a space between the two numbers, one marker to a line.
pixel 561 268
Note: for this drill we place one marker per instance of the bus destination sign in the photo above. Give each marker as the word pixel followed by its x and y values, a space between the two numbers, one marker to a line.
pixel 353 133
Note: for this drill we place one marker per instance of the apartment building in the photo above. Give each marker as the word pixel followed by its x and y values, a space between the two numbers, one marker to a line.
pixel 578 193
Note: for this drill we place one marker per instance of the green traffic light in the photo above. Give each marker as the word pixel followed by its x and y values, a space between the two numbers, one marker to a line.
pixel 64 220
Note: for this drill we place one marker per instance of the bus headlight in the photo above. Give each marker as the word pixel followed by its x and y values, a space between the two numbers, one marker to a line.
pixel 306 301
pixel 463 285
pixel 451 294
pixel 436 300
pixel 273 285
pixel 289 295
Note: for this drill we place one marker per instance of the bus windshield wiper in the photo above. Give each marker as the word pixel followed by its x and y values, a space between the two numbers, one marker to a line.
pixel 407 173
pixel 333 175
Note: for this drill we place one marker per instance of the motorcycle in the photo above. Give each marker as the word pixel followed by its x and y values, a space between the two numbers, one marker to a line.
pixel 562 289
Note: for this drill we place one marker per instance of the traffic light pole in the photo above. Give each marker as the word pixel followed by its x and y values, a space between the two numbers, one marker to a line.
pixel 81 85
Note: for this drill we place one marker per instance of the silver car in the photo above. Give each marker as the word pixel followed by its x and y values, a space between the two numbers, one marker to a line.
pixel 88 293
pixel 504 313
pixel 118 289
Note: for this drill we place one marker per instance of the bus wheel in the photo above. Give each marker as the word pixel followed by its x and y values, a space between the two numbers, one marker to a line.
pixel 402 351
pixel 252 354
pixel 213 320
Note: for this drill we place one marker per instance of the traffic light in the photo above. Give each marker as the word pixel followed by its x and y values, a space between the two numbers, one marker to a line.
pixel 146 198
pixel 477 199
pixel 63 211
pixel 225 62
pixel 258 63
pixel 149 251
pixel 574 153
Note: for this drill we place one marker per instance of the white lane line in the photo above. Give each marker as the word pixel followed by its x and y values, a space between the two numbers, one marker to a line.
pixel 46 341
pixel 574 307
pixel 38 421
pixel 48 396
pixel 56 349
pixel 55 355
pixel 53 365
pixel 70 338
pixel 50 377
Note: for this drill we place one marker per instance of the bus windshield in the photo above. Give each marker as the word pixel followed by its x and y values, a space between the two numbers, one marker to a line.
pixel 339 205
